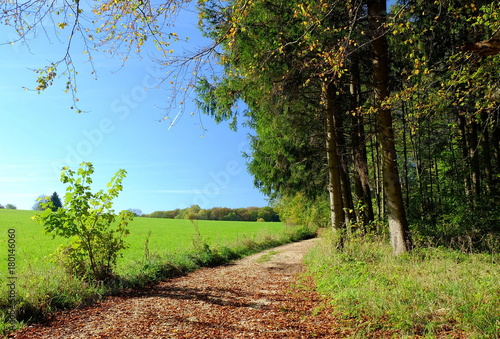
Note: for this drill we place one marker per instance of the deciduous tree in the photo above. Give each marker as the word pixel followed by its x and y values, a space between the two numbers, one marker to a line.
pixel 88 219
pixel 40 202
pixel 398 222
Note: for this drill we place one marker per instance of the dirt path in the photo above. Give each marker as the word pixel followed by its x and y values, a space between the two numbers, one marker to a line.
pixel 256 297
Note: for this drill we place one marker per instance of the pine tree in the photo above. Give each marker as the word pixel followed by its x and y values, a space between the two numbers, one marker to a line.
pixel 56 202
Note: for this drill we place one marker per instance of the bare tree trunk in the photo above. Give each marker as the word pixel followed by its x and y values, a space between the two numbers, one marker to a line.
pixel 438 185
pixel 485 145
pixel 358 137
pixel 465 155
pixel 376 162
pixel 363 179
pixel 470 154
pixel 398 224
pixel 405 154
pixel 415 146
pixel 455 177
pixel 430 195
pixel 473 145
pixel 334 166
pixel 338 122
pixel 346 191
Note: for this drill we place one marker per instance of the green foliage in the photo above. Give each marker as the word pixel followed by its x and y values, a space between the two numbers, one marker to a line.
pixel 10 207
pixel 40 203
pixel 88 220
pixel 275 57
pixel 137 212
pixel 430 292
pixel 43 290
pixel 463 227
pixel 219 213
pixel 275 72
pixel 300 210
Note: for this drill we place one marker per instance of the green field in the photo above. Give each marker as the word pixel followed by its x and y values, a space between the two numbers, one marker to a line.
pixel 173 247
pixel 166 236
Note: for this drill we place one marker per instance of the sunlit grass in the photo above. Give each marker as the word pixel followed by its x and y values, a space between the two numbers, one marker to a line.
pixel 165 236
pixel 431 291
pixel 176 235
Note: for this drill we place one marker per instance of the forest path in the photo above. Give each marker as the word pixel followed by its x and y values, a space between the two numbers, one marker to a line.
pixel 260 296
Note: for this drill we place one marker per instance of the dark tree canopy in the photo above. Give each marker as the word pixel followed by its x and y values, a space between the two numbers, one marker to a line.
pixel 56 201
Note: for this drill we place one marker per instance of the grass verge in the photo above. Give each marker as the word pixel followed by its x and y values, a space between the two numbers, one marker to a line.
pixel 431 293
pixel 42 290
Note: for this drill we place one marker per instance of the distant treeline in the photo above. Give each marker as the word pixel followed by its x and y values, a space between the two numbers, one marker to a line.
pixel 219 213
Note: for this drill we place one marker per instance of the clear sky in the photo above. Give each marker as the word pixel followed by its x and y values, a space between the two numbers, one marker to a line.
pixel 168 167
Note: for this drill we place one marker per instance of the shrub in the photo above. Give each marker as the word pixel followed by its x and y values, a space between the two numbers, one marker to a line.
pixel 89 221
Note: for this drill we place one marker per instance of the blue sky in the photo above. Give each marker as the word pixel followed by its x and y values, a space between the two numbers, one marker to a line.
pixel 168 167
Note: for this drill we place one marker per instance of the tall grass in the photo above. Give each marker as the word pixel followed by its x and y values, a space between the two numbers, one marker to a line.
pixel 430 292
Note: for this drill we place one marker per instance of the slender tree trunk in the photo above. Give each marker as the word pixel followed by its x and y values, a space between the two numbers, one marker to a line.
pixel 438 186
pixel 430 195
pixel 473 146
pixel 398 224
pixel 485 145
pixel 346 191
pixel 465 156
pixel 405 154
pixel 415 145
pixel 361 169
pixel 376 163
pixel 456 175
pixel 358 137
pixel 338 122
pixel 470 153
pixel 334 166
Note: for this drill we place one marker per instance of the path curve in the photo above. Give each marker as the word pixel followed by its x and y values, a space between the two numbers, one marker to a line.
pixel 255 297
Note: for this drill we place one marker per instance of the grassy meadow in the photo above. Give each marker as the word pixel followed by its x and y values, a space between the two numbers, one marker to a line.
pixel 164 236
pixel 159 248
